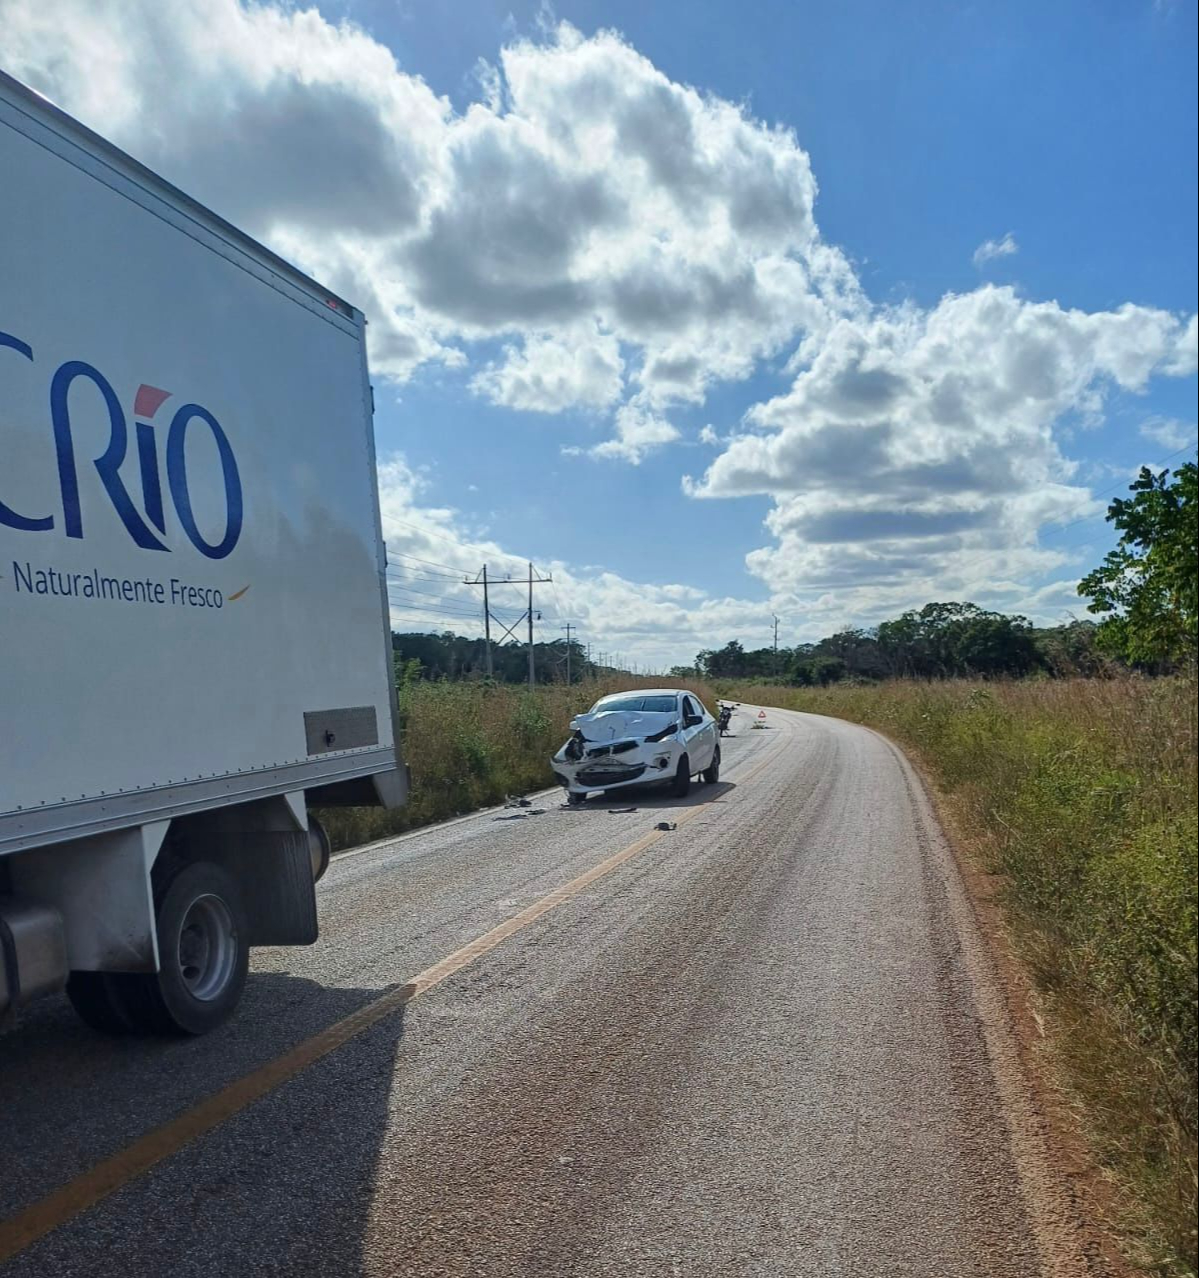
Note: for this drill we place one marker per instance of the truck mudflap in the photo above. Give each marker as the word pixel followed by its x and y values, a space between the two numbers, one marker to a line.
pixel 274 872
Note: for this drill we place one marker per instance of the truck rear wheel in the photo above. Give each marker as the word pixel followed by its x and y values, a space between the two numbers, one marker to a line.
pixel 202 952
pixel 95 999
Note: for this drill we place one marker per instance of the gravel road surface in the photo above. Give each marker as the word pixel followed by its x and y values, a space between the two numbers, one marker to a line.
pixel 763 1044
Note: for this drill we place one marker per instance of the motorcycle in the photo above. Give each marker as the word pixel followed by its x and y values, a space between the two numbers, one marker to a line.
pixel 722 722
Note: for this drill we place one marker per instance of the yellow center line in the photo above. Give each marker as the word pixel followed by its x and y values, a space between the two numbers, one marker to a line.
pixel 116 1171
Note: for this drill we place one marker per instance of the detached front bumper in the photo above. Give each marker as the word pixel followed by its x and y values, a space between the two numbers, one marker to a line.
pixel 608 768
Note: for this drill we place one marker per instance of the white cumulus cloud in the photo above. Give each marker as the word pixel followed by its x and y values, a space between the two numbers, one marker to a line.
pixel 1169 432
pixel 586 202
pixel 639 430
pixel 989 250
pixel 550 372
pixel 915 454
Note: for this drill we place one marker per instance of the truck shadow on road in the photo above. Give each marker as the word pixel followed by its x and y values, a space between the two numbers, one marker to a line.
pixel 284 1186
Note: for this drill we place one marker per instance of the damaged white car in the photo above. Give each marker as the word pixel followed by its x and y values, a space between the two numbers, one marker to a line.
pixel 638 738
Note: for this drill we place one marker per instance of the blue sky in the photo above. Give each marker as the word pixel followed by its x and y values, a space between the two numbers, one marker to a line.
pixel 841 392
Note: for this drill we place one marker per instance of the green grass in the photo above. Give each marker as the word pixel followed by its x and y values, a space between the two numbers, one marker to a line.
pixel 470 745
pixel 1082 796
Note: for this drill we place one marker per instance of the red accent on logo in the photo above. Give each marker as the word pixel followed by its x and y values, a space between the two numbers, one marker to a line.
pixel 149 400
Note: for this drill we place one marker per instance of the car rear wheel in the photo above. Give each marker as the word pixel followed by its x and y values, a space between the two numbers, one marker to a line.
pixel 712 772
pixel 575 800
pixel 681 786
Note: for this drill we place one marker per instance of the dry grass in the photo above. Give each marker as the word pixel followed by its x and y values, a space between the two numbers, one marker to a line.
pixel 469 745
pixel 1082 796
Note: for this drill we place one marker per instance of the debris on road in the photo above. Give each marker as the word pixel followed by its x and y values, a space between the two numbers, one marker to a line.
pixel 667 825
pixel 614 811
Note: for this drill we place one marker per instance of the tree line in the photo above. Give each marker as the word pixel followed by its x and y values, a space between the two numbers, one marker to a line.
pixel 450 656
pixel 941 640
pixel 1145 591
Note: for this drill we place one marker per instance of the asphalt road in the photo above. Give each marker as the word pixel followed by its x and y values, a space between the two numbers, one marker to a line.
pixel 761 1044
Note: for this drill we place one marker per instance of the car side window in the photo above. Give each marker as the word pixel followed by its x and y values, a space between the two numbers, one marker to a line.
pixel 689 707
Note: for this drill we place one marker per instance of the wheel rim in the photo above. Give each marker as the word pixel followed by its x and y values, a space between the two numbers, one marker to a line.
pixel 207 950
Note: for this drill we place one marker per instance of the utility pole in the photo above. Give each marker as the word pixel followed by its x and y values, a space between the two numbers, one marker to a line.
pixel 487 624
pixel 481 579
pixel 532 673
pixel 531 579
pixel 568 628
pixel 774 663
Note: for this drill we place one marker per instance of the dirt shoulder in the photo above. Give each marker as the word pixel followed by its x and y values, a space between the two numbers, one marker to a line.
pixel 1073 1202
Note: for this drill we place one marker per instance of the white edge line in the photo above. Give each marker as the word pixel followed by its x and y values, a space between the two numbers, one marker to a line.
pixel 392 839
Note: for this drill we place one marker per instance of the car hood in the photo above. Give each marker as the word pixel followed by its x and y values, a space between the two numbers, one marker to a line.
pixel 620 725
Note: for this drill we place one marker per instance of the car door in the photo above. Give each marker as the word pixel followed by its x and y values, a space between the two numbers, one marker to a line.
pixel 700 737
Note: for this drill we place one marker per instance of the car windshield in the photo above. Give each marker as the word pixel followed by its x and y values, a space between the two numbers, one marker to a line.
pixel 654 705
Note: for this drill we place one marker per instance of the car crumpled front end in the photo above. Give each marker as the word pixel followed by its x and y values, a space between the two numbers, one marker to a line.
pixel 616 748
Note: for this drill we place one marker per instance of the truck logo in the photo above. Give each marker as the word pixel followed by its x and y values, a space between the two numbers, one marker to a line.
pixel 146 526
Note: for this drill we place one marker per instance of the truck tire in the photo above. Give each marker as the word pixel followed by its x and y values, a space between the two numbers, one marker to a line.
pixel 712 771
pixel 681 786
pixel 202 952
pixel 97 1002
pixel 319 848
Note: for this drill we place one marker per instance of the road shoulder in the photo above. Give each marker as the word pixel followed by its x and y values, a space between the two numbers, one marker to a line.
pixel 1071 1203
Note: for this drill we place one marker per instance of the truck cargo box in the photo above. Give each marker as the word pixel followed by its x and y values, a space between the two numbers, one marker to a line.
pixel 192 574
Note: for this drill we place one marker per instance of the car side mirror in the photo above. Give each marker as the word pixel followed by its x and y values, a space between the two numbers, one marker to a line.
pixel 692 720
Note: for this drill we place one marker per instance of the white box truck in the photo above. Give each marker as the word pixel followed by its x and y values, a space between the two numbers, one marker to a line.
pixel 193 609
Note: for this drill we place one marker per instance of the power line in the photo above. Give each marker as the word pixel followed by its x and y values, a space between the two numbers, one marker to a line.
pixel 451 541
pixel 414 573
pixel 1103 492
pixel 450 570
pixel 398 584
pixel 412 605
pixel 438 601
